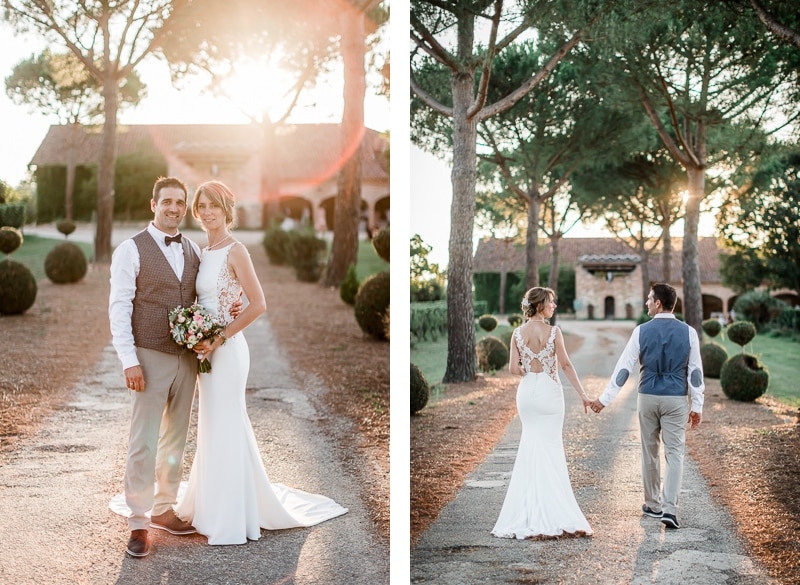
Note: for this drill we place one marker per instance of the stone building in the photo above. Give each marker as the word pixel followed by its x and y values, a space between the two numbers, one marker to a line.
pixel 292 169
pixel 608 274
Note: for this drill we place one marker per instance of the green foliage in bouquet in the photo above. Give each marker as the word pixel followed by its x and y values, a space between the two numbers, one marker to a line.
pixel 372 303
pixel 420 390
pixel 65 263
pixel 492 354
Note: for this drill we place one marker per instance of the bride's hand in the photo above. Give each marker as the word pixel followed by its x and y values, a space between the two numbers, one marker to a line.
pixel 587 402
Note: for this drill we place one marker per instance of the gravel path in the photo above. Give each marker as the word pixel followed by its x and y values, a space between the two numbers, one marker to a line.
pixel 603 455
pixel 55 526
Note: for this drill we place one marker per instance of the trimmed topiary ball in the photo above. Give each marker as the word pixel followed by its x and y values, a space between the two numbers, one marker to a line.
pixel 492 354
pixel 65 264
pixel 741 332
pixel 487 322
pixel 65 226
pixel 349 287
pixel 17 288
pixel 276 244
pixel 372 302
pixel 515 319
pixel 744 378
pixel 381 243
pixel 713 356
pixel 420 390
pixel 712 327
pixel 10 239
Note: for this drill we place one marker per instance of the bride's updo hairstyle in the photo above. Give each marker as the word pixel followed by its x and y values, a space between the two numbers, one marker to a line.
pixel 217 193
pixel 535 300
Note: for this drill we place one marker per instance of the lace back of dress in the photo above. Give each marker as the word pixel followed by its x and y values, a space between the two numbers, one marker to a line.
pixel 546 357
pixel 228 291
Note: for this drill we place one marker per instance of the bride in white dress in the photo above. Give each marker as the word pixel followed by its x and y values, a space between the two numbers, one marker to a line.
pixel 229 497
pixel 539 502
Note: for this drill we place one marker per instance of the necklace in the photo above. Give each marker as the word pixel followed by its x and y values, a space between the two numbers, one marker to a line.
pixel 212 246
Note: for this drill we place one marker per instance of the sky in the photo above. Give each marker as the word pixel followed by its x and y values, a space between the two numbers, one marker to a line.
pixel 24 130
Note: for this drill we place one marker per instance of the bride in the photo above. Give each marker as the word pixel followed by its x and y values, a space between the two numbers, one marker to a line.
pixel 539 502
pixel 229 497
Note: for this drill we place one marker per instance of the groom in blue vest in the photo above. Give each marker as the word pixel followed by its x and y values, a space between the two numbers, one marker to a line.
pixel 670 378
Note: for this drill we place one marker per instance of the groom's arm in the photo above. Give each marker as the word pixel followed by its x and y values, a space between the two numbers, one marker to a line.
pixel 124 270
pixel 622 371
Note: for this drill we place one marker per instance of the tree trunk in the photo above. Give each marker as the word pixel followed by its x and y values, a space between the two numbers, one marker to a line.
pixel 667 255
pixel 532 241
pixel 105 170
pixel 460 312
pixel 344 250
pixel 645 264
pixel 69 193
pixel 270 173
pixel 552 281
pixel 692 296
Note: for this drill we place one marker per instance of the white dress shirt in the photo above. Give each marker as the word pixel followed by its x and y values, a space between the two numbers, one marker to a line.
pixel 124 271
pixel 630 359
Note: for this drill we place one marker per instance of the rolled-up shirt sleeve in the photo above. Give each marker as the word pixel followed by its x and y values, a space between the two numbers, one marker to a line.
pixel 697 386
pixel 124 270
pixel 623 370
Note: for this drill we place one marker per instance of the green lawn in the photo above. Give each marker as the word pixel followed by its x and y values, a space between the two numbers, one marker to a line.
pixel 431 357
pixel 368 261
pixel 779 355
pixel 34 250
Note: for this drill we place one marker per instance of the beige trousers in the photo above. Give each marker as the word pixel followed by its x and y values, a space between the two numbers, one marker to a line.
pixel 663 418
pixel 159 426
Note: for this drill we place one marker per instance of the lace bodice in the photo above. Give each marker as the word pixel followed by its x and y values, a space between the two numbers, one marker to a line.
pixel 217 288
pixel 546 356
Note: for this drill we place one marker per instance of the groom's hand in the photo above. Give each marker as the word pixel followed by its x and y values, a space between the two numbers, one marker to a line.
pixel 596 405
pixel 694 419
pixel 134 378
pixel 236 308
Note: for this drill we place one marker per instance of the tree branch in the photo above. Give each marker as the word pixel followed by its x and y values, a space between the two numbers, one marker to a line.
pixel 521 91
pixel 429 100
pixel 782 32
pixel 428 43
pixel 486 70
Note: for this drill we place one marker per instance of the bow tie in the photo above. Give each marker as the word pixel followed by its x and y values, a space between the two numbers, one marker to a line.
pixel 170 239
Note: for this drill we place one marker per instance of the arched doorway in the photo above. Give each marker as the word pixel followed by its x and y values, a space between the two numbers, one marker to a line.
pixel 609 308
pixel 711 304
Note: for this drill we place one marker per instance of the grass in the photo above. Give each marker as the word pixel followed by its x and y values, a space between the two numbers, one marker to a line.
pixel 431 358
pixel 779 355
pixel 35 249
pixel 368 261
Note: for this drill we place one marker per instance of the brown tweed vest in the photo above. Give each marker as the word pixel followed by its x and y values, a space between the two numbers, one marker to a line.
pixel 158 291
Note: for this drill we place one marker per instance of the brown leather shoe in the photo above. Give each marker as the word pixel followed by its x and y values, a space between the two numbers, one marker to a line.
pixel 170 522
pixel 138 545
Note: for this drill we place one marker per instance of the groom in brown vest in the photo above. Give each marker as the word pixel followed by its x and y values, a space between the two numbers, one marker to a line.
pixel 152 273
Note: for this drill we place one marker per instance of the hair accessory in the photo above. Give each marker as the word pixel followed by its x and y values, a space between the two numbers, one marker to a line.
pixel 526 303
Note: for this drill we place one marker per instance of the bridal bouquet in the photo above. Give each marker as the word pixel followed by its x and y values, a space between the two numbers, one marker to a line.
pixel 191 325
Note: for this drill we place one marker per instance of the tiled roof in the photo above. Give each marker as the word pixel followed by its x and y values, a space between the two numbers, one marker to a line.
pixel 490 254
pixel 305 150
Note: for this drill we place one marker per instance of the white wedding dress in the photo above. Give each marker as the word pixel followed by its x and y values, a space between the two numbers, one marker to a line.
pixel 539 501
pixel 229 497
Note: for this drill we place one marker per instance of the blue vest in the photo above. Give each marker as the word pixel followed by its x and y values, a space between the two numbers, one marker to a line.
pixel 664 357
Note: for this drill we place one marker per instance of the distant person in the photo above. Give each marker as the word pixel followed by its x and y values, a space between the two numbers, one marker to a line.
pixel 668 354
pixel 539 501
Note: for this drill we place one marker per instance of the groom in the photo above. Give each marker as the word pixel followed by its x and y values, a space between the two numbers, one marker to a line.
pixel 152 273
pixel 668 353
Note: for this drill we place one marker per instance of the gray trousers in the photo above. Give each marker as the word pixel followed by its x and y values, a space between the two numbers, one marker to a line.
pixel 663 418
pixel 159 426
